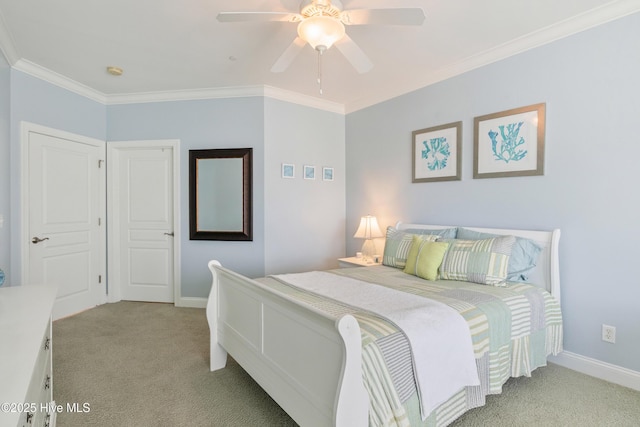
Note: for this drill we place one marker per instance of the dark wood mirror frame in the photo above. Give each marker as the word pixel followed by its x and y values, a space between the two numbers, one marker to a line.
pixel 246 155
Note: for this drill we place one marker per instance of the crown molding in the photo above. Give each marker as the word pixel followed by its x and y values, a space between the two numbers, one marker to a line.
pixel 59 80
pixel 585 21
pixel 185 95
pixel 306 100
pixel 227 92
pixel 593 18
pixel 179 95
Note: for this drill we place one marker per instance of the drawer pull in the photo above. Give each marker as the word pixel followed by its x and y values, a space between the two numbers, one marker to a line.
pixel 47 383
pixel 47 343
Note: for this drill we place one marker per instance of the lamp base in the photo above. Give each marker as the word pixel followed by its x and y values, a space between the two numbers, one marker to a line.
pixel 368 250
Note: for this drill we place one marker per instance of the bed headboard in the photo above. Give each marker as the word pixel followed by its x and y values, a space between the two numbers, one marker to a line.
pixel 547 271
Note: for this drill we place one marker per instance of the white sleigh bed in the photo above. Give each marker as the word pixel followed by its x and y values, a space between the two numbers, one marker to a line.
pixel 310 362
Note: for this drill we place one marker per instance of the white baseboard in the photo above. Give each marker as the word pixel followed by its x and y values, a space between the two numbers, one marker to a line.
pixel 191 302
pixel 596 368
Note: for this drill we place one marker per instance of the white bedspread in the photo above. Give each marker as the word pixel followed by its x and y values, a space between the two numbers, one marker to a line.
pixel 439 336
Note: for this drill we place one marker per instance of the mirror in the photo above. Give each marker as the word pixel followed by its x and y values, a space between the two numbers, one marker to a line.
pixel 220 194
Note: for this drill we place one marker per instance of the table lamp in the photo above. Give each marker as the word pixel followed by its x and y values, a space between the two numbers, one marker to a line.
pixel 368 229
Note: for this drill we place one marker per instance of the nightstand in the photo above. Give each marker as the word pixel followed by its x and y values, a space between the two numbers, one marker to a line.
pixel 355 262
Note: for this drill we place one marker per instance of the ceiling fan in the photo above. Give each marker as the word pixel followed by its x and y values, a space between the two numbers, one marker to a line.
pixel 321 23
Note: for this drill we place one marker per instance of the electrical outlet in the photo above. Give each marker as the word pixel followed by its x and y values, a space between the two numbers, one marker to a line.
pixel 609 333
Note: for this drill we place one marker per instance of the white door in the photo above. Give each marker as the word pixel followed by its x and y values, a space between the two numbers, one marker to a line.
pixel 142 221
pixel 63 216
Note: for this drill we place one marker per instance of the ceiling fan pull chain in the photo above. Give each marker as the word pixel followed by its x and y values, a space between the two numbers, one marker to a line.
pixel 320 50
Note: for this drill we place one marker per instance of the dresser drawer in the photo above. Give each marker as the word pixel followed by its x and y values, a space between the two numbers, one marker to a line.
pixel 39 394
pixel 26 371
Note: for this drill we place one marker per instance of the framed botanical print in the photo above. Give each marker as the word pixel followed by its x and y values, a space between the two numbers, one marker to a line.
pixel 509 143
pixel 437 153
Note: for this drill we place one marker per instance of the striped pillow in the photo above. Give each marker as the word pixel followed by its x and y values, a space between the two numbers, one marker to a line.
pixel 483 261
pixel 397 245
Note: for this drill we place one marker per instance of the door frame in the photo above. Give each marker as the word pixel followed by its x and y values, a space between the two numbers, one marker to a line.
pixel 113 226
pixel 25 129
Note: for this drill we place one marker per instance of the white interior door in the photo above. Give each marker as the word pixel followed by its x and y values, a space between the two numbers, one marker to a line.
pixel 142 221
pixel 63 216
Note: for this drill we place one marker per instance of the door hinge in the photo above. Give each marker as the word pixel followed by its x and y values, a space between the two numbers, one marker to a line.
pixel 99 278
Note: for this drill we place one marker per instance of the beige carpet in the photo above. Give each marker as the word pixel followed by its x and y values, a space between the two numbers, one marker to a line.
pixel 143 364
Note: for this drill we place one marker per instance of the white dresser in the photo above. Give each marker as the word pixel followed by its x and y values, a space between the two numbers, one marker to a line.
pixel 26 381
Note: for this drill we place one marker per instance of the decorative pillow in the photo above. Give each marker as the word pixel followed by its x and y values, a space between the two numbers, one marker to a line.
pixel 425 257
pixel 524 254
pixel 479 261
pixel 397 245
pixel 443 233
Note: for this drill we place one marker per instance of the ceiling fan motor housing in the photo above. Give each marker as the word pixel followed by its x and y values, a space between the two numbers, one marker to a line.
pixel 309 8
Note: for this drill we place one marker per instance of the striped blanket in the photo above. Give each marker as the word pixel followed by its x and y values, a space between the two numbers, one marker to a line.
pixel 513 330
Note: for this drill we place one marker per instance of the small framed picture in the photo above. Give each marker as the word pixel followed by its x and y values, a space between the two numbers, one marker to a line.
pixel 288 170
pixel 327 174
pixel 309 172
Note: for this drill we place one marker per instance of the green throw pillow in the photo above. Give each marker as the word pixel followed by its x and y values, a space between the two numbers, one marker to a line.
pixel 425 258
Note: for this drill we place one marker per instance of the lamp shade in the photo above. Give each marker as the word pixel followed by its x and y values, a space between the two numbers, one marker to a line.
pixel 369 228
pixel 321 31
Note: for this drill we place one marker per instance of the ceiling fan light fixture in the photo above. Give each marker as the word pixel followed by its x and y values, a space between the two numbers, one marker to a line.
pixel 321 31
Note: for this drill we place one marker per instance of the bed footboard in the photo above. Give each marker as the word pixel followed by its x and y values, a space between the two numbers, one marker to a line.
pixel 309 363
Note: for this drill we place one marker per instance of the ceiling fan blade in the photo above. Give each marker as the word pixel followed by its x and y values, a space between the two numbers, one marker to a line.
pixel 258 17
pixel 354 54
pixel 400 16
pixel 288 56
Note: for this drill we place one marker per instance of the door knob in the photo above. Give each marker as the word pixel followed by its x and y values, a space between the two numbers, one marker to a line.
pixel 38 240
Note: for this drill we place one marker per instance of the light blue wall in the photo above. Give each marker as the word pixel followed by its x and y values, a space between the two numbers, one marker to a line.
pixel 5 97
pixel 201 124
pixel 304 219
pixel 36 101
pixel 589 189
pixel 222 123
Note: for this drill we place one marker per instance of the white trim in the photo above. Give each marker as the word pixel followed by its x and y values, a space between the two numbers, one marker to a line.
pixel 305 100
pixel 59 80
pixel 115 293
pixel 598 369
pixel 225 93
pixel 587 20
pixel 185 95
pixel 191 302
pixel 177 95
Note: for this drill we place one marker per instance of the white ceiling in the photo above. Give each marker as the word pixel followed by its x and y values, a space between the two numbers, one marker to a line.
pixel 177 48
